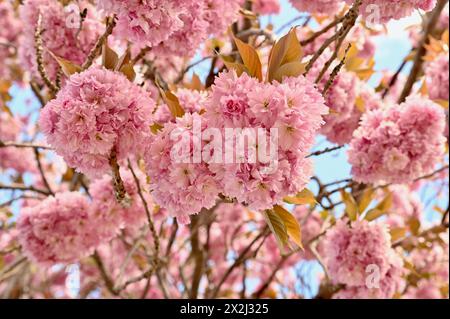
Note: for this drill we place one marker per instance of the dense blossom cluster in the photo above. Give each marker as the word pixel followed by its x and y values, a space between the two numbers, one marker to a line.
pixel 266 6
pixel 21 160
pixel 320 6
pixel 59 25
pixel 294 107
pixel 406 206
pixel 183 188
pixel 342 98
pixel 10 28
pixel 351 250
pixel 175 27
pixel 58 229
pixel 96 112
pixel 381 11
pixel 437 77
pixel 398 144
pixel 113 215
pixel 100 174
pixel 146 22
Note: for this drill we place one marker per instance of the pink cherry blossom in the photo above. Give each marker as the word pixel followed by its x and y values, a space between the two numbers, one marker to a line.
pixel 398 144
pixel 97 111
pixel 58 229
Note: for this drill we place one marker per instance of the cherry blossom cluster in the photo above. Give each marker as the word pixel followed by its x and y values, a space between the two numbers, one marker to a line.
pixel 175 27
pixel 294 108
pixel 379 11
pixel 266 6
pixel 113 215
pixel 59 25
pixel 58 229
pixel 342 98
pixel 20 160
pixel 98 111
pixel 320 6
pixel 437 77
pixel 351 251
pixel 181 188
pixel 10 29
pixel 398 144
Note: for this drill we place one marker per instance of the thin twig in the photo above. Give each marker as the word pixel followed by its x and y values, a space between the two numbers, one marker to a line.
pixel 41 170
pixel 39 57
pixel 23 145
pixel 327 150
pixel 111 23
pixel 421 50
pixel 24 188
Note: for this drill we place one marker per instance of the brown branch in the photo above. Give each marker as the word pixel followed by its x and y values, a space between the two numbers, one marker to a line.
pixel 349 21
pixel 140 55
pixel 289 23
pixel 41 170
pixel 421 50
pixel 106 278
pixel 241 258
pixel 24 188
pixel 335 72
pixel 324 30
pixel 23 145
pixel 394 79
pixel 119 188
pixel 199 258
pixel 95 52
pixel 39 56
pixel 147 212
pixel 324 151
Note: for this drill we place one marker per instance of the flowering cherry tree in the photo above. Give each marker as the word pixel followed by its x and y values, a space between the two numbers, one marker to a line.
pixel 172 149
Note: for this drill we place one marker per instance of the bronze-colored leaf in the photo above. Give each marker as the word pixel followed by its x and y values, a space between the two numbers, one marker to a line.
pixel 278 228
pixel 67 66
pixel 302 198
pixel 109 57
pixel 374 214
pixel 128 71
pixel 351 208
pixel 239 68
pixel 173 103
pixel 287 49
pixel 292 226
pixel 294 69
pixel 250 58
pixel 366 199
